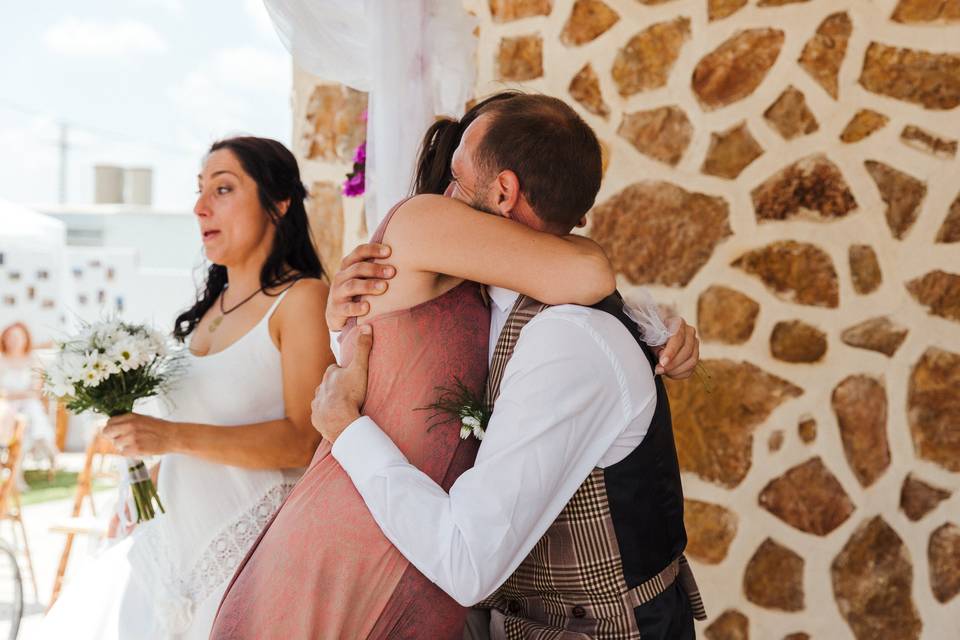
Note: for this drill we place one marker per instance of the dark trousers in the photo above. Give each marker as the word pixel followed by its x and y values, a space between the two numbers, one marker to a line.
pixel 666 617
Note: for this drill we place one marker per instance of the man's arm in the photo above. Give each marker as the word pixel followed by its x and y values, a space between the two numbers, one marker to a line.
pixel 358 277
pixel 564 401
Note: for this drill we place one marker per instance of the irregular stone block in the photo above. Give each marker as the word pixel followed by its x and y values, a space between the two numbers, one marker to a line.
pixel 778 3
pixel 588 21
pixel 795 271
pixel 726 315
pixel 810 186
pixel 800 635
pixel 877 334
pixel 933 408
pixel 824 52
pixel 928 79
pixel 913 11
pixel 950 229
pixel 807 429
pixel 645 63
pixel 872 580
pixel 860 404
pixel 730 152
pixel 714 431
pixel 688 225
pixel 520 58
pixel 917 498
pixel 730 625
pixel 710 530
pixel 510 10
pixel 863 124
pixel 790 116
pixel 940 291
pixel 773 578
pixel 918 138
pixel 325 213
pixel 736 68
pixel 943 554
pixel 720 9
pixel 809 498
pixel 902 194
pixel 585 89
pixel 864 269
pixel 797 341
pixel 334 123
pixel 663 133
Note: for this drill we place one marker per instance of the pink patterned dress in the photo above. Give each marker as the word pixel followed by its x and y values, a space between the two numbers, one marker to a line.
pixel 322 568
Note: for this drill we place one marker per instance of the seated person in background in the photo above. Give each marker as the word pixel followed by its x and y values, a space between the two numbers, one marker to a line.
pixel 20 385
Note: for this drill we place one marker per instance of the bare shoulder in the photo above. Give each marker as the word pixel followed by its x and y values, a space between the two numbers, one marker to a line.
pixel 306 298
pixel 426 206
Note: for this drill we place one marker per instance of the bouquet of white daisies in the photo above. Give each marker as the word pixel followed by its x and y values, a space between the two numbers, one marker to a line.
pixel 106 368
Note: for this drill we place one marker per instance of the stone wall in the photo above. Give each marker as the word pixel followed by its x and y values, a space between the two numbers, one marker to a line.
pixel 785 174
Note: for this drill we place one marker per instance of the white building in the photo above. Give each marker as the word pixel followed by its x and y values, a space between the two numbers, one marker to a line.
pixel 60 264
pixel 130 260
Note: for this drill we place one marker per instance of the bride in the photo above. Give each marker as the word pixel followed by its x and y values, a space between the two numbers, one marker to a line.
pixel 237 433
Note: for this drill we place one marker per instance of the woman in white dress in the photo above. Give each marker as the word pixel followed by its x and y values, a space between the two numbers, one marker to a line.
pixel 20 387
pixel 237 432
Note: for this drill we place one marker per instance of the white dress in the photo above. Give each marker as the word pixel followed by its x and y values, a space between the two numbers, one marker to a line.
pixel 19 377
pixel 166 580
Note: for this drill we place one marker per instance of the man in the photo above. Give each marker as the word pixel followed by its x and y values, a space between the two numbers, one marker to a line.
pixel 570 523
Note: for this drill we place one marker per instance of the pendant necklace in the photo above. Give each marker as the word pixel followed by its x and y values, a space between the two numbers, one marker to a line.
pixel 223 312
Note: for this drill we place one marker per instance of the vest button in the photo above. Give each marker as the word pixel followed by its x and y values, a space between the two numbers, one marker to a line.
pixel 579 612
pixel 513 607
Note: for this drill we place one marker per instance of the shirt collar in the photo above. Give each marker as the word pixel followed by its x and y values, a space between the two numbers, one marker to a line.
pixel 503 298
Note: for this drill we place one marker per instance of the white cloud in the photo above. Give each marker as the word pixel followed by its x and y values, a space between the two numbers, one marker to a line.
pixel 77 37
pixel 253 69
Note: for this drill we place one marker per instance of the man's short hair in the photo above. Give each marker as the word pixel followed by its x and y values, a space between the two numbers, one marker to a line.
pixel 553 152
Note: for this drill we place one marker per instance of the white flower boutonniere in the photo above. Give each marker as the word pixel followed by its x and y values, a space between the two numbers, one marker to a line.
pixel 462 405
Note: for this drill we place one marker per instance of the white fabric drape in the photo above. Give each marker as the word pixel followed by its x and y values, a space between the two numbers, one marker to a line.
pixel 416 58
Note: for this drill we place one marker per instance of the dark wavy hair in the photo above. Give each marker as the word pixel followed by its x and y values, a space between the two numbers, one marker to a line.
pixel 293 256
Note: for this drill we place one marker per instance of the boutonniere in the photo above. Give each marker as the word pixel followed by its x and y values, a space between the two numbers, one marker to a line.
pixel 461 405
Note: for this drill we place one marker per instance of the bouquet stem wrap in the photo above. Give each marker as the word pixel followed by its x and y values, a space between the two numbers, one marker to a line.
pixel 142 489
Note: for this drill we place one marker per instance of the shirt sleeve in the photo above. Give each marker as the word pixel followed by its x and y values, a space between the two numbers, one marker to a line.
pixel 335 345
pixel 563 402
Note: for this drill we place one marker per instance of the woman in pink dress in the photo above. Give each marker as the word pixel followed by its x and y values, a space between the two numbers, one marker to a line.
pixel 322 568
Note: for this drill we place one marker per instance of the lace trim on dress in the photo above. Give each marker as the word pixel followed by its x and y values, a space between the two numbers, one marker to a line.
pixel 176 598
pixel 225 552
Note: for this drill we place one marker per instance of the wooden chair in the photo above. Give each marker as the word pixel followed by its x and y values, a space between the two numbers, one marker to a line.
pixel 10 508
pixel 77 525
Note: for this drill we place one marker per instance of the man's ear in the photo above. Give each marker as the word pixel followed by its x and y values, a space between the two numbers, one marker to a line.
pixel 508 192
pixel 582 223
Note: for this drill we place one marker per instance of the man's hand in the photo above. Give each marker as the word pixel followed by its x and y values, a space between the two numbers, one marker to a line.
pixel 343 390
pixel 680 355
pixel 357 277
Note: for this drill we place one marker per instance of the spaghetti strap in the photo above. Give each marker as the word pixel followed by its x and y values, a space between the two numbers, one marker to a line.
pixel 276 303
pixel 381 229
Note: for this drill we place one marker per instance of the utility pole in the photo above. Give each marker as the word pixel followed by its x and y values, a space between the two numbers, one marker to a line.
pixel 64 146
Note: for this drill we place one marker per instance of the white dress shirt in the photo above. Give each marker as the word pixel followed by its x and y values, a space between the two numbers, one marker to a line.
pixel 577 394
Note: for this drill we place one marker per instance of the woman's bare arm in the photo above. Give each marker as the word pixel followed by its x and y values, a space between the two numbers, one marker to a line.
pixel 277 444
pixel 441 235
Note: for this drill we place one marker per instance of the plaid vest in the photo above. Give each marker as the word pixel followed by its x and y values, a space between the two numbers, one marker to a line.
pixel 619 541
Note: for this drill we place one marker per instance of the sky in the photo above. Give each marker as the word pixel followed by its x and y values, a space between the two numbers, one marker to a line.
pixel 140 83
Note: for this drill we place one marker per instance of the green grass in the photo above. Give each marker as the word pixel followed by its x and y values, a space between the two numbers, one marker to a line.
pixel 62 485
